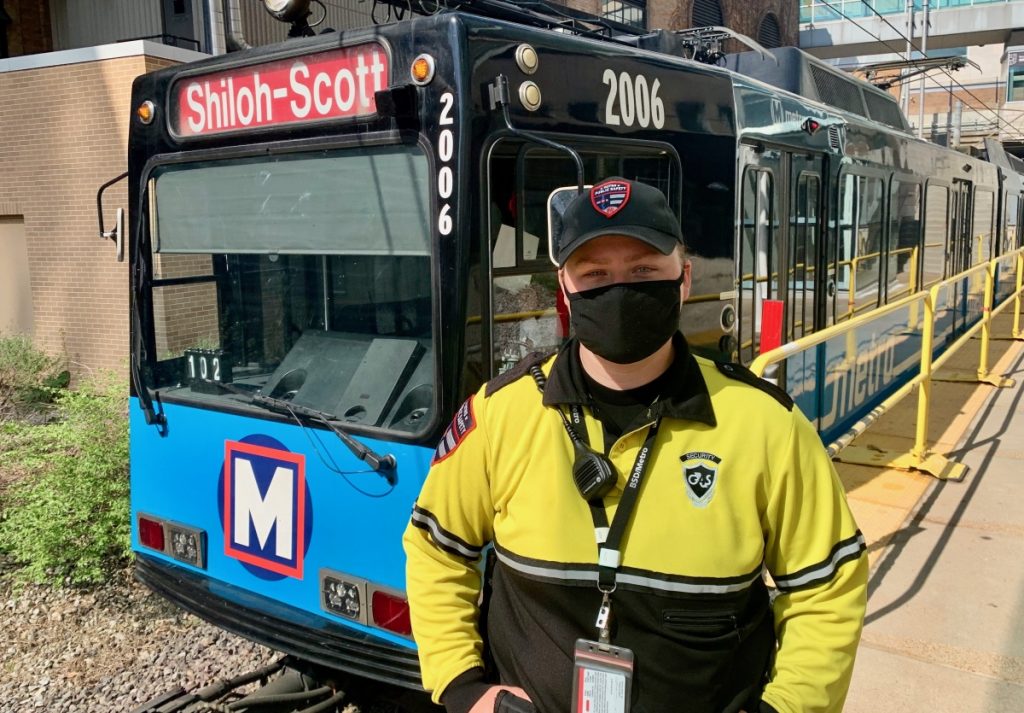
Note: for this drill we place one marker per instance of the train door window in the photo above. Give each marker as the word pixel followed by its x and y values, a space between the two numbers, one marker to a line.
pixel 758 253
pixel 1010 222
pixel 861 211
pixel 803 247
pixel 982 234
pixel 936 218
pixel 527 311
pixel 904 240
pixel 960 246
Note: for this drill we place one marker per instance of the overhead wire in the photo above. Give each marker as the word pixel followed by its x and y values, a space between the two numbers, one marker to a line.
pixel 942 69
pixel 910 59
pixel 999 119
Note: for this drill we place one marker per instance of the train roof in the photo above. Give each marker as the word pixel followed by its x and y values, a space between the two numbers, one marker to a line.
pixel 800 73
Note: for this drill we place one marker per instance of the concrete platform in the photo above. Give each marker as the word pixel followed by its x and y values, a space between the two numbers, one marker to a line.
pixel 945 624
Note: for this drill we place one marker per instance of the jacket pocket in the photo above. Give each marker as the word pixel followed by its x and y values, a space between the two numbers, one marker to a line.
pixel 702 630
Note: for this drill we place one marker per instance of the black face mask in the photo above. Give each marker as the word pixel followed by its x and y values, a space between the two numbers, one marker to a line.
pixel 626 322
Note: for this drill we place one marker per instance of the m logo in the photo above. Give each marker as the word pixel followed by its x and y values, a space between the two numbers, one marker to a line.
pixel 264 507
pixel 700 473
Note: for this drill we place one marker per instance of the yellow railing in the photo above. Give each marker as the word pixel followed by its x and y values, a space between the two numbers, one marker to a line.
pixel 920 457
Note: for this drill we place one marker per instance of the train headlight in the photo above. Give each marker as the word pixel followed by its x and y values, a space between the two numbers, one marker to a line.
pixel 526 59
pixel 529 95
pixel 343 595
pixel 186 544
pixel 287 10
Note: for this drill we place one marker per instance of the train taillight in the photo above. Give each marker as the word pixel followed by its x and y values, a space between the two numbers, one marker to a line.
pixel 391 612
pixel 151 533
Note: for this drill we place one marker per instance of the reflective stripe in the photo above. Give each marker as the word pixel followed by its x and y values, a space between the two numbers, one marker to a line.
pixel 827 569
pixel 686 587
pixel 566 575
pixel 601 534
pixel 589 576
pixel 444 538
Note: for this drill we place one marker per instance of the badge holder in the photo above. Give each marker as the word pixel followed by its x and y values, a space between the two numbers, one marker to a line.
pixel 602 678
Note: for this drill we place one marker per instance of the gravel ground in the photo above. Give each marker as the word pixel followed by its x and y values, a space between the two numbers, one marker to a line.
pixel 107 649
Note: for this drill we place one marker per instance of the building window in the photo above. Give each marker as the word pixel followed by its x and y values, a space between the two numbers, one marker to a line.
pixel 5 22
pixel 769 34
pixel 628 12
pixel 1015 84
pixel 707 13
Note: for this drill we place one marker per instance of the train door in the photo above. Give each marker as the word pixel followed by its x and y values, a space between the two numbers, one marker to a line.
pixel 806 220
pixel 761 294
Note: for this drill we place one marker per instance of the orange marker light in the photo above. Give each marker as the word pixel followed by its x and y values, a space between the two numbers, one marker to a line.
pixel 145 112
pixel 422 69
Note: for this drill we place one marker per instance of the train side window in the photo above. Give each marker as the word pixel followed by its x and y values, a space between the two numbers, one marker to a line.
pixel 904 240
pixel 936 220
pixel 984 217
pixel 802 255
pixel 1011 217
pixel 861 210
pixel 758 252
pixel 870 229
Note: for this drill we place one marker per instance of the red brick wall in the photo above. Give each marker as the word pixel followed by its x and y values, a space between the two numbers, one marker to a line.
pixel 742 16
pixel 64 132
pixel 29 31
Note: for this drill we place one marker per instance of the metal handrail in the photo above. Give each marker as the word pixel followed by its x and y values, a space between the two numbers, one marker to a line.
pixel 920 452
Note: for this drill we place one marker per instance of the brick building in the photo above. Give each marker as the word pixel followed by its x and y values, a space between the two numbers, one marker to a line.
pixel 63 133
pixel 24 27
pixel 773 23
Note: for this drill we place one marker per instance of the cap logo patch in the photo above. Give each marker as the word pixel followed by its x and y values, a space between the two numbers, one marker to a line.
pixel 610 197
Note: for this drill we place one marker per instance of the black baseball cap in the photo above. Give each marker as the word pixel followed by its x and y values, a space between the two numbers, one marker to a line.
pixel 618 206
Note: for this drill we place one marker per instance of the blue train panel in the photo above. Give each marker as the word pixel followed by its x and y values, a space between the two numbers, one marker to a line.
pixel 278 509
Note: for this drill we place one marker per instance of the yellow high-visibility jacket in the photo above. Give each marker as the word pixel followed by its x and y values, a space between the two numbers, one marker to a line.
pixel 738 484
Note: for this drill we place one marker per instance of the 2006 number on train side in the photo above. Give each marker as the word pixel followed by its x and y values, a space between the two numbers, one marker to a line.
pixel 633 100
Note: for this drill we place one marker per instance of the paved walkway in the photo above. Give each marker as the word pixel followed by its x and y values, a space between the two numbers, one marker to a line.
pixel 945 623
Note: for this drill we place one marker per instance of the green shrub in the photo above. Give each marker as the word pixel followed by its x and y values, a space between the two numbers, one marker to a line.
pixel 66 519
pixel 28 377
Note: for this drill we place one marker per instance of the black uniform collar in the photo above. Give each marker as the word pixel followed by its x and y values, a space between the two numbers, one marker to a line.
pixel 686 395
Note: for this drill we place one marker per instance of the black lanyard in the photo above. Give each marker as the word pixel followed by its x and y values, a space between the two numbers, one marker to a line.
pixel 610 539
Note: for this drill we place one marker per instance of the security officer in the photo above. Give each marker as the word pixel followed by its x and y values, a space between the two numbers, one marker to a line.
pixel 635 495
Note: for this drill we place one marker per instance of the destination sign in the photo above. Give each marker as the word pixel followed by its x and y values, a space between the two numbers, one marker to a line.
pixel 338 84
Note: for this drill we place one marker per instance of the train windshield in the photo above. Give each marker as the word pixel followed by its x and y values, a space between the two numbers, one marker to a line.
pixel 302 277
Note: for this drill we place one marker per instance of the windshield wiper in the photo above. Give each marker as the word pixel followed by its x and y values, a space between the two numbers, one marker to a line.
pixel 383 464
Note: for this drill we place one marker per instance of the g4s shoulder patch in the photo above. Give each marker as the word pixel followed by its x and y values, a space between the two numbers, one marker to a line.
pixel 516 372
pixel 742 373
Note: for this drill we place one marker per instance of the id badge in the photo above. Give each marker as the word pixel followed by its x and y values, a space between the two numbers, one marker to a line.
pixel 602 678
